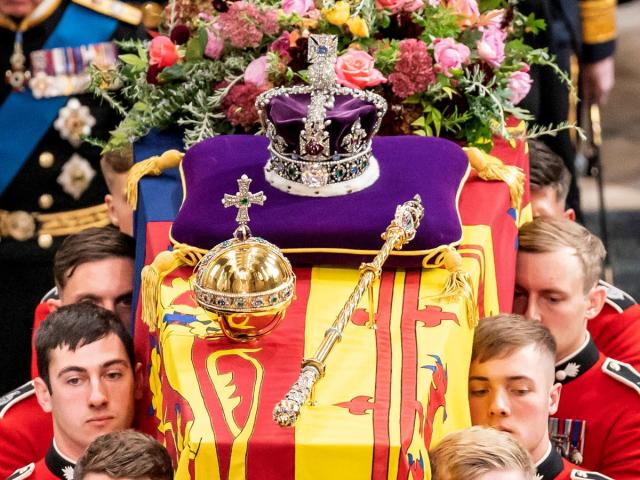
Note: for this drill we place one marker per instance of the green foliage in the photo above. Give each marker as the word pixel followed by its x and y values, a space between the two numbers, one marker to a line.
pixel 196 46
pixel 485 5
pixel 470 104
pixel 437 23
pixel 386 55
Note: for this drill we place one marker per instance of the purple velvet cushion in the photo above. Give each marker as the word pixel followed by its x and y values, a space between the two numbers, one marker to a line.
pixel 432 167
pixel 288 113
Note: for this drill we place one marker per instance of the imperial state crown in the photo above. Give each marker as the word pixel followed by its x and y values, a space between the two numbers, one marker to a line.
pixel 320 134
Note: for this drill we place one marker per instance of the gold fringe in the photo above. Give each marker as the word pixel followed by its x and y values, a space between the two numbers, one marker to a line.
pixel 518 130
pixel 458 284
pixel 492 168
pixel 151 166
pixel 154 273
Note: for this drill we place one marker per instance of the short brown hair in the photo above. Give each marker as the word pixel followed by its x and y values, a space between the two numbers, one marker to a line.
pixel 547 235
pixel 90 245
pixel 74 326
pixel 467 454
pixel 125 454
pixel 546 169
pixel 116 162
pixel 501 335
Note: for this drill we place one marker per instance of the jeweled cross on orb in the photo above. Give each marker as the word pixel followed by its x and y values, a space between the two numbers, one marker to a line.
pixel 243 199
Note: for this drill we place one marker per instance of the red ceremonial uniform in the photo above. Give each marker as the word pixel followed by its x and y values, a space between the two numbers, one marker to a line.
pixel 42 310
pixel 554 467
pixel 26 431
pixel 616 329
pixel 52 467
pixel 598 421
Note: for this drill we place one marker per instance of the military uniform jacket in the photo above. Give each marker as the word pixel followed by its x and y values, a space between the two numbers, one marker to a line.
pixel 26 431
pixel 554 467
pixel 54 466
pixel 616 329
pixel 588 27
pixel 50 181
pixel 597 425
pixel 41 185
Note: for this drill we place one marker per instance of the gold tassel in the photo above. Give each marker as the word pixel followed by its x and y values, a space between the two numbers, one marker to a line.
pixel 154 273
pixel 459 282
pixel 152 276
pixel 188 255
pixel 492 168
pixel 151 166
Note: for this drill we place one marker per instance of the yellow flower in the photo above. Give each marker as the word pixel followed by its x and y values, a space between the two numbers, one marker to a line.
pixel 338 14
pixel 358 27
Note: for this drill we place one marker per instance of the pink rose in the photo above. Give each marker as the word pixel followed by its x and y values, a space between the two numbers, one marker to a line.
pixel 449 54
pixel 281 45
pixel 298 6
pixel 355 69
pixel 412 5
pixel 398 5
pixel 468 9
pixel 256 72
pixel 214 47
pixel 491 46
pixel 519 85
pixel 162 52
pixel 491 19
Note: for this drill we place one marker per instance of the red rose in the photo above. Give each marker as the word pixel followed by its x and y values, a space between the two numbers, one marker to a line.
pixel 162 52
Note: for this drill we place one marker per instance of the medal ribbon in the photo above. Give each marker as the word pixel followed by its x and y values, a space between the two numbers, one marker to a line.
pixel 17 144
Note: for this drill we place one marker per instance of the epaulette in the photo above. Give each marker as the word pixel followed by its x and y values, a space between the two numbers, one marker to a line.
pixel 578 474
pixel 623 372
pixel 617 299
pixel 14 396
pixel 114 8
pixel 23 472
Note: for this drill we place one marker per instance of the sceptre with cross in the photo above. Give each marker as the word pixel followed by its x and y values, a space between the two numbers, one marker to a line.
pixel 242 200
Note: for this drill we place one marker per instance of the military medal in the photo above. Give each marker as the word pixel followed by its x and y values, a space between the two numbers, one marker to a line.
pixel 18 75
pixel 76 176
pixel 74 121
pixel 568 437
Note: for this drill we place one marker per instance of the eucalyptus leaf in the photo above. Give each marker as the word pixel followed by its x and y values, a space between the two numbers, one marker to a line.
pixel 174 72
pixel 133 60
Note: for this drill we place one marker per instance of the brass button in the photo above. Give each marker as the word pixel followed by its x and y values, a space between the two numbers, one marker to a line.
pixel 45 201
pixel 46 159
pixel 45 240
pixel 151 15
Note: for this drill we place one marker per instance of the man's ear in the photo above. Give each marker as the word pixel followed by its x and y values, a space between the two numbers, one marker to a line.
pixel 43 395
pixel 595 298
pixel 111 209
pixel 53 304
pixel 138 379
pixel 554 398
pixel 570 214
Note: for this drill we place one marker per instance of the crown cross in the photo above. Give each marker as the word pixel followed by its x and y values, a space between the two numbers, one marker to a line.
pixel 322 55
pixel 243 199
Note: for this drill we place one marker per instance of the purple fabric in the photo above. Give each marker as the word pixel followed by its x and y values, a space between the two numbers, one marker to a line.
pixel 431 167
pixel 287 115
